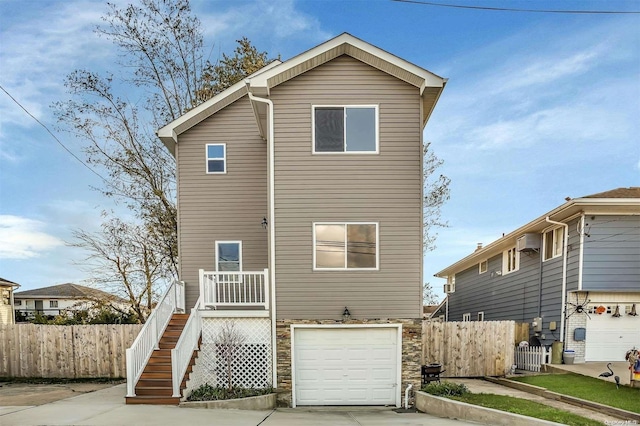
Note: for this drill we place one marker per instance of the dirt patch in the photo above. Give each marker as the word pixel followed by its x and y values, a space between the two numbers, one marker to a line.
pixel 38 394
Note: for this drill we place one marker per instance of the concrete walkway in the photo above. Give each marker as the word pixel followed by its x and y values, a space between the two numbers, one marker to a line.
pixel 106 407
pixel 483 386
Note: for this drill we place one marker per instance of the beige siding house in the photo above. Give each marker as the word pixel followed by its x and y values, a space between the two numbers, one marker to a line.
pixel 7 303
pixel 300 221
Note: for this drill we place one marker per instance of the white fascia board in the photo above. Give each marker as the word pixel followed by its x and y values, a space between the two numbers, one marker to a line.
pixel 561 213
pixel 168 134
pixel 430 79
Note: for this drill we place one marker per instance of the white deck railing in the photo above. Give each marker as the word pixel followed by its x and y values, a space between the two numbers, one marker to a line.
pixel 531 358
pixel 234 289
pixel 183 351
pixel 140 351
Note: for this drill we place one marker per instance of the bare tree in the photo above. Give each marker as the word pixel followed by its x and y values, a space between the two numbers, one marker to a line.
pixel 229 343
pixel 428 295
pixel 436 192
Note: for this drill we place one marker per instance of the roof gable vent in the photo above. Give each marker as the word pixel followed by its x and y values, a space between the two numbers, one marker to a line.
pixel 528 243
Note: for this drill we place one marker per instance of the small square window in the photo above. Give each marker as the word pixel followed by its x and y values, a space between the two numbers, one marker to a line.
pixel 345 129
pixel 216 158
pixel 17 302
pixel 483 266
pixel 480 316
pixel 228 256
pixel 466 317
pixel 53 303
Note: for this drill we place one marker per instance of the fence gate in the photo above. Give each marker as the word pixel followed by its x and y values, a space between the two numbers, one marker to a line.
pixel 531 358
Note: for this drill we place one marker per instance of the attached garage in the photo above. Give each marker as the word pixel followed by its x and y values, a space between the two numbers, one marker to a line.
pixel 609 338
pixel 346 365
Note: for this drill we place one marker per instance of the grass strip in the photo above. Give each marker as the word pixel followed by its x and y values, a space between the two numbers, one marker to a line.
pixel 525 408
pixel 61 381
pixel 588 388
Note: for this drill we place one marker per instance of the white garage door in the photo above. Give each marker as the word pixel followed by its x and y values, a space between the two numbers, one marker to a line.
pixel 346 366
pixel 609 338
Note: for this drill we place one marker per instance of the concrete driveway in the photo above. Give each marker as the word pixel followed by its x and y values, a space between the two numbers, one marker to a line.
pixel 107 407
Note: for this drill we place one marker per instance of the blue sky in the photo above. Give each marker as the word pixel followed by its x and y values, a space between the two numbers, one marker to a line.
pixel 538 107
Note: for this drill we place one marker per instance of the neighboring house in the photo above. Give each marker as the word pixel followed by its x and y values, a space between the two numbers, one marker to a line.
pixel 573 274
pixel 309 173
pixel 428 310
pixel 61 298
pixel 7 314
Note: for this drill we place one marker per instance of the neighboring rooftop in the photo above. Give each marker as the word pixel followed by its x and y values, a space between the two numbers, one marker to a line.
pixel 65 291
pixel 5 282
pixel 631 192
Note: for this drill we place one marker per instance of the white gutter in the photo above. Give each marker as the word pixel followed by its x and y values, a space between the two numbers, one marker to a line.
pixel 581 257
pixel 565 245
pixel 272 237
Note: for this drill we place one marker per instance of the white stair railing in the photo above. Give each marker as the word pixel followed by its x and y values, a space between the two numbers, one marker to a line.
pixel 140 351
pixel 183 351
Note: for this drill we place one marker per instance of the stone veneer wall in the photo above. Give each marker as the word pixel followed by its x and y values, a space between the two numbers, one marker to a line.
pixel 411 353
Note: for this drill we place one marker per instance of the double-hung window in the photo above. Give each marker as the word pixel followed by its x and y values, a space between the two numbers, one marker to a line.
pixel 483 266
pixel 228 256
pixel 340 246
pixel 510 260
pixel 553 243
pixel 216 158
pixel 53 303
pixel 350 129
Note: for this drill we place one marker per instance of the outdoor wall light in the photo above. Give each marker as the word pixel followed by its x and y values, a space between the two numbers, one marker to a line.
pixel 264 223
pixel 346 315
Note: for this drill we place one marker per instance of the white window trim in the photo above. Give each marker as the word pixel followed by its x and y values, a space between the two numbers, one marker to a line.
pixel 466 317
pixel 206 158
pixel 481 316
pixel 486 262
pixel 313 241
pixel 505 261
pixel 53 303
pixel 313 130
pixel 239 251
pixel 555 233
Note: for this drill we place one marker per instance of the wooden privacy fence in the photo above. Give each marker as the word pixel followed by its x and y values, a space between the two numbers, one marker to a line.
pixel 531 358
pixel 70 351
pixel 469 349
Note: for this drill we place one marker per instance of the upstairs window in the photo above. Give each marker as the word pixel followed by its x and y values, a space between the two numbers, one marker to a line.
pixel 553 243
pixel 338 246
pixel 510 260
pixel 350 129
pixel 483 266
pixel 228 256
pixel 216 158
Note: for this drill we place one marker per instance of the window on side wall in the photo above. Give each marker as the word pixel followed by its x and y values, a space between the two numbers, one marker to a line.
pixel 510 260
pixel 483 266
pixel 466 317
pixel 216 158
pixel 349 129
pixel 480 316
pixel 553 243
pixel 53 303
pixel 345 246
pixel 228 256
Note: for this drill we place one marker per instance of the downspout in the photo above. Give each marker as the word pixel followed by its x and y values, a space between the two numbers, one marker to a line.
pixel 272 238
pixel 565 245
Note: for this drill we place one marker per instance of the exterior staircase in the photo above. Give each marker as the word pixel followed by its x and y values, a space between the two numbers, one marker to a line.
pixel 155 385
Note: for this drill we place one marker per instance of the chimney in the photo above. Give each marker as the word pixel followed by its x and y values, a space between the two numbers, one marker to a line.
pixel 479 247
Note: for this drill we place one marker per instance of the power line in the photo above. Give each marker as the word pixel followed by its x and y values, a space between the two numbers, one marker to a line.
pixel 508 9
pixel 54 136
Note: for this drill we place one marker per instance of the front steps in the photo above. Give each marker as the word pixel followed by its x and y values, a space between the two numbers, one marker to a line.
pixel 155 384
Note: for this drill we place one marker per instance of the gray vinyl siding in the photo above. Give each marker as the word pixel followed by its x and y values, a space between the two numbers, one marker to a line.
pixel 215 207
pixel 612 253
pixel 573 258
pixel 384 188
pixel 514 296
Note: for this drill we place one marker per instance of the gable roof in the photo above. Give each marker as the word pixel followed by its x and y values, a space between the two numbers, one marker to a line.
pixel 65 291
pixel 624 201
pixel 7 283
pixel 261 82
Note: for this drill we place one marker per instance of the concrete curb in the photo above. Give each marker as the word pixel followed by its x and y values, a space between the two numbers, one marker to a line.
pixel 258 403
pixel 449 408
pixel 536 390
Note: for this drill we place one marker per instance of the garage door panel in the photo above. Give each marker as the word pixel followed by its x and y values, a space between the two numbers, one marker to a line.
pixel 345 366
pixel 608 338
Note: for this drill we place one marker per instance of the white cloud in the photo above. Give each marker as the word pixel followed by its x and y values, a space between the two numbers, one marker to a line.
pixel 22 238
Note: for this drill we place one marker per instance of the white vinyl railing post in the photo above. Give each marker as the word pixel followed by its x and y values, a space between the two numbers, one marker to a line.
pixel 154 332
pixel 131 386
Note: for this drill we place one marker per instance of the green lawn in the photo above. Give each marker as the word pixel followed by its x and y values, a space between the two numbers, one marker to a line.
pixel 525 408
pixel 588 388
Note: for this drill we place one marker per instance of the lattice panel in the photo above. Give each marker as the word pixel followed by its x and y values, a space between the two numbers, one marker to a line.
pixel 252 364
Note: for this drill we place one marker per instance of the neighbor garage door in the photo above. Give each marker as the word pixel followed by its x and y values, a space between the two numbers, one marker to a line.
pixel 609 338
pixel 345 366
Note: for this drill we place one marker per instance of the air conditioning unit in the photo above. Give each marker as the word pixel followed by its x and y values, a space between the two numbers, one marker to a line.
pixel 450 288
pixel 528 243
